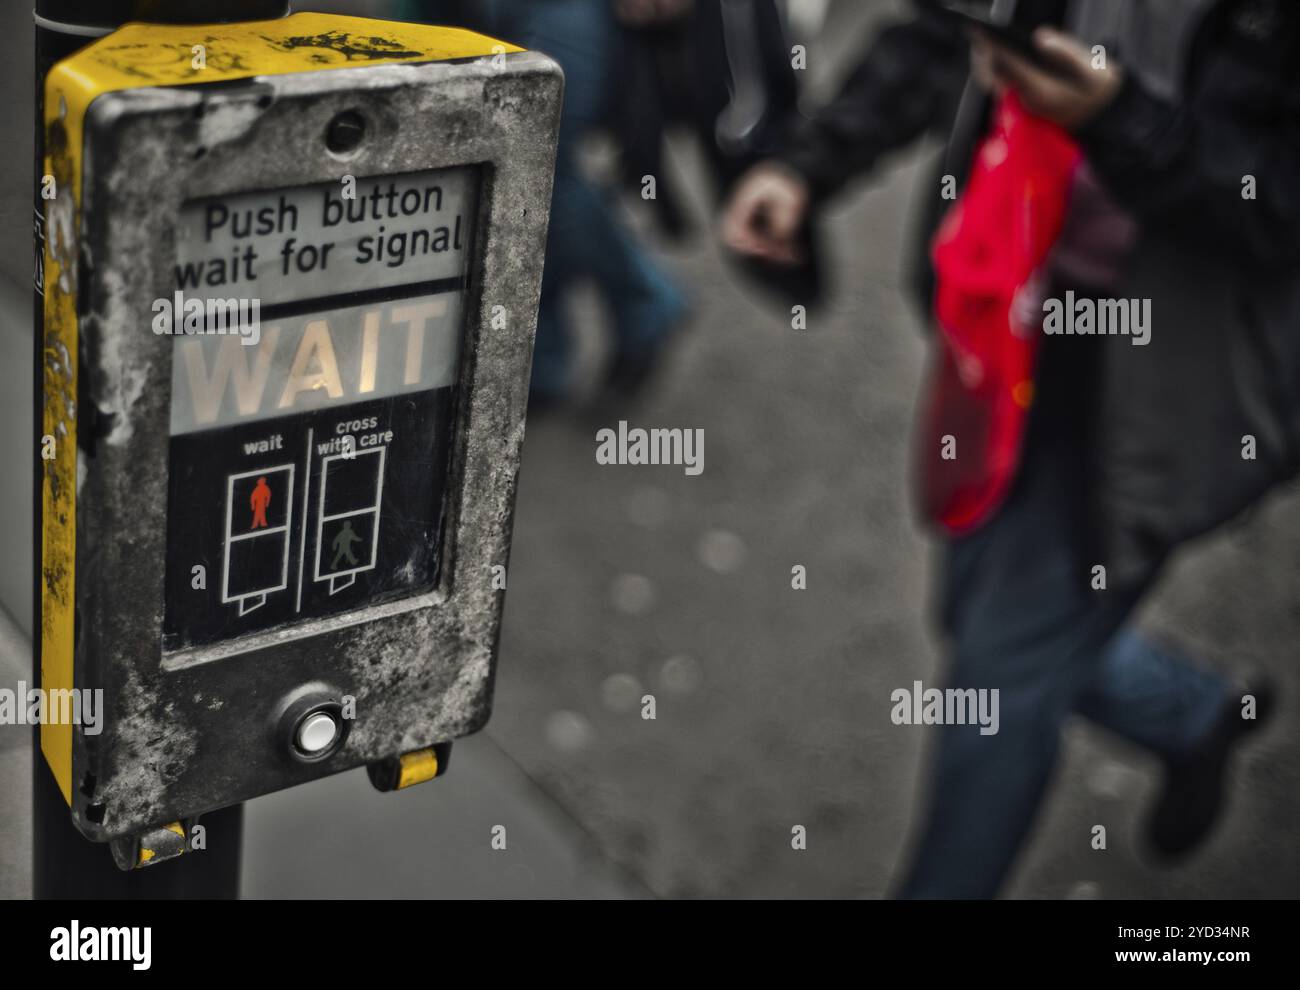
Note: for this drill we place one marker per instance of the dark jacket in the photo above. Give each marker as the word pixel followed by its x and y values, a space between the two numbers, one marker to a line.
pixel 1222 271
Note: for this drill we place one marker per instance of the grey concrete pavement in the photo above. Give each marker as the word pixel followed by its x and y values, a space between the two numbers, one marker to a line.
pixel 340 838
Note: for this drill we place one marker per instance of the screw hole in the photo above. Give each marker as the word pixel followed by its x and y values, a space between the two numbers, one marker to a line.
pixel 345 132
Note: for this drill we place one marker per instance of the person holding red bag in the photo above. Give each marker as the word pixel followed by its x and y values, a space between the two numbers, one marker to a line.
pixel 1108 162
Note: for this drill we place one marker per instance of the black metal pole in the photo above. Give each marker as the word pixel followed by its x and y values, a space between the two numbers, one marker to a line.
pixel 64 864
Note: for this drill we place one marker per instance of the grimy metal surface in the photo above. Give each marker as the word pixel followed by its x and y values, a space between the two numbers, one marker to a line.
pixel 181 741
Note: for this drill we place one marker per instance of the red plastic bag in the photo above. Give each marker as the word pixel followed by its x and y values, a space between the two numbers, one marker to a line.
pixel 987 253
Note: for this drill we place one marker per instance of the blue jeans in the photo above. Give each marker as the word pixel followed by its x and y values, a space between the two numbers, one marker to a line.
pixel 1019 607
pixel 586 238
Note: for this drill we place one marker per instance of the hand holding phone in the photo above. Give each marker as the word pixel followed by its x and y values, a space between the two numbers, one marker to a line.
pixel 1016 37
pixel 1055 76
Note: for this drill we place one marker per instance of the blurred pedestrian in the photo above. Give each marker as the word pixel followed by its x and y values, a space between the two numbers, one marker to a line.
pixel 1135 150
pixel 719 69
pixel 721 72
pixel 587 239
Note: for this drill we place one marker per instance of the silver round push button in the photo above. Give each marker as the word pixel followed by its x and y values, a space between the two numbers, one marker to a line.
pixel 316 733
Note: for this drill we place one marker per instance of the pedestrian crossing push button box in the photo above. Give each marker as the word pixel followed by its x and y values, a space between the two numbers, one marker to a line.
pixel 291 272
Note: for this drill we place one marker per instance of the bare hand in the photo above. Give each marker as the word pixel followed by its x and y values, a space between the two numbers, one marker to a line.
pixel 1071 95
pixel 766 213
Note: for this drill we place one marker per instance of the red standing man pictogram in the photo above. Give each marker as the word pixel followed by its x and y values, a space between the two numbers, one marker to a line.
pixel 259 500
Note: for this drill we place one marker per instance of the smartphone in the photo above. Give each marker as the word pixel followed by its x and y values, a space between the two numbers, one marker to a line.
pixel 1017 37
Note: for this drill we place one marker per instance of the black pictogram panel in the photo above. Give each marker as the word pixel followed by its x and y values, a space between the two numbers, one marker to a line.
pixel 297 518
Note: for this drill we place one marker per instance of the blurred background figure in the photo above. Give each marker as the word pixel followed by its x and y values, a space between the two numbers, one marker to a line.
pixel 723 72
pixel 807 17
pixel 719 70
pixel 1100 147
pixel 587 239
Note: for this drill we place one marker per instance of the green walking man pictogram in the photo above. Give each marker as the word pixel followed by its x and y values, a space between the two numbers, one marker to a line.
pixel 342 545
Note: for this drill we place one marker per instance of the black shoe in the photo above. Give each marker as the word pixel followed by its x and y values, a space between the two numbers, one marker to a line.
pixel 631 370
pixel 628 374
pixel 1192 797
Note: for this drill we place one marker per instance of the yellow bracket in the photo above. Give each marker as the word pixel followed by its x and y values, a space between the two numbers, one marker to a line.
pixel 417 767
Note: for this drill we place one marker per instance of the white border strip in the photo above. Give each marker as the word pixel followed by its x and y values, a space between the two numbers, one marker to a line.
pixel 82 30
pixel 89 31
